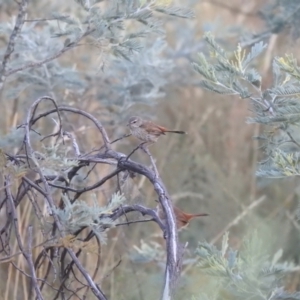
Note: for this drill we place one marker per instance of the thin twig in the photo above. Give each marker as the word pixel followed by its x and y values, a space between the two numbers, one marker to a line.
pixel 292 139
pixel 97 264
pixel 146 150
pixel 124 209
pixel 48 197
pixel 238 218
pixel 173 265
pixel 51 57
pixel 136 221
pixel 135 149
pixel 47 19
pixel 74 143
pixel 80 112
pixel 31 265
pixel 112 269
pixel 26 253
pixel 292 219
pixel 12 40
pixel 120 138
pixel 231 8
pixel 88 188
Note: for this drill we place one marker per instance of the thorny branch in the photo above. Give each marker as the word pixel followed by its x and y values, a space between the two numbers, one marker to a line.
pixel 44 185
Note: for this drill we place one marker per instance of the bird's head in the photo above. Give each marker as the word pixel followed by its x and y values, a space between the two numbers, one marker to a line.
pixel 134 122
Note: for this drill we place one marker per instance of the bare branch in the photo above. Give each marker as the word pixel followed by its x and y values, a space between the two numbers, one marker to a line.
pixel 88 188
pixel 174 255
pixel 80 112
pixel 46 19
pixel 74 143
pixel 44 184
pixel 31 265
pixel 26 253
pixel 29 151
pixel 51 57
pixel 12 40
pixel 124 209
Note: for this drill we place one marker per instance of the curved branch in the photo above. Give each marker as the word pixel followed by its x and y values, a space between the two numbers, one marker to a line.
pixel 88 188
pixel 26 252
pixel 29 151
pixel 51 57
pixel 12 39
pixel 174 250
pixel 80 112
pixel 124 209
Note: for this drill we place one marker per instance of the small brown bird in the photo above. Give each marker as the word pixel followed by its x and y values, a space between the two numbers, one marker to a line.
pixel 183 219
pixel 148 131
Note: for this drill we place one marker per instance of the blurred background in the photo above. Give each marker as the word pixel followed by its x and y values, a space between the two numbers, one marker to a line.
pixel 211 170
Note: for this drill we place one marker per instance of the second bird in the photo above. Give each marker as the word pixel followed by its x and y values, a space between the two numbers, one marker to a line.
pixel 147 131
pixel 182 218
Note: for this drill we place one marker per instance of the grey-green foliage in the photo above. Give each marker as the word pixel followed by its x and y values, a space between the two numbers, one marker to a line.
pixel 126 37
pixel 145 78
pixel 14 137
pixel 81 214
pixel 149 251
pixel 250 273
pixel 33 46
pixel 279 16
pixel 228 71
pixel 276 107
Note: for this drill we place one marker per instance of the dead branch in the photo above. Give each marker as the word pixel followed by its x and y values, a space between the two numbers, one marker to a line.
pixel 44 185
pixel 11 43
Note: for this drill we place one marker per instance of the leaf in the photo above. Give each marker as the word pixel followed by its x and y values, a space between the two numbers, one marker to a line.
pixel 253 77
pixel 204 68
pixel 241 90
pixel 224 244
pixel 215 88
pixel 276 72
pixel 175 11
pixel 277 256
pixel 209 38
pixel 232 258
pixel 141 14
pixel 256 50
pixel 288 90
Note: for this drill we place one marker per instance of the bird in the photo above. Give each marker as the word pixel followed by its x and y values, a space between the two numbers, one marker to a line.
pixel 182 218
pixel 147 131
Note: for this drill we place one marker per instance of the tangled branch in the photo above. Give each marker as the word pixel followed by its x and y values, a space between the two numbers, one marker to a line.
pixel 32 160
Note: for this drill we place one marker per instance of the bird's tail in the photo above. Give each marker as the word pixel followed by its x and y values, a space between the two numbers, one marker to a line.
pixel 176 131
pixel 192 216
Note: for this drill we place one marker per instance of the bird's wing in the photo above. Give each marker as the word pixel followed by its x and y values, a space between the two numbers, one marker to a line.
pixel 152 128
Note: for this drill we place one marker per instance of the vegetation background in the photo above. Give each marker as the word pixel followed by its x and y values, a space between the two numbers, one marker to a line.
pixel 210 170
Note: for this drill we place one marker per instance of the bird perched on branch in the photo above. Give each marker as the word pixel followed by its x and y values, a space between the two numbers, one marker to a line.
pixel 147 131
pixel 182 218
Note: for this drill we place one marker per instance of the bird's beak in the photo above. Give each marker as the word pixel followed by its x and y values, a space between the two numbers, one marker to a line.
pixel 127 124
